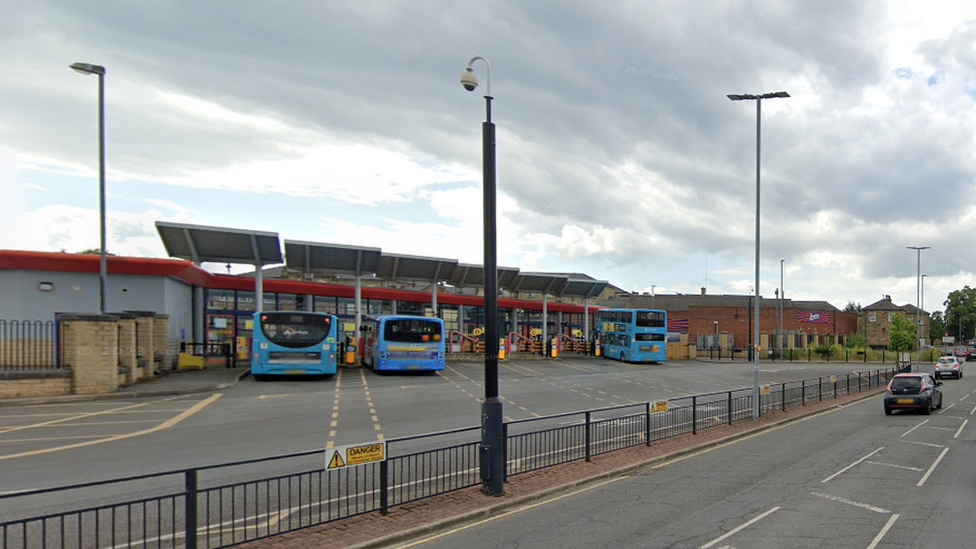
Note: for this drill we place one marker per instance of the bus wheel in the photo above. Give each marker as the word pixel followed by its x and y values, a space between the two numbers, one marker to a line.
pixel 259 377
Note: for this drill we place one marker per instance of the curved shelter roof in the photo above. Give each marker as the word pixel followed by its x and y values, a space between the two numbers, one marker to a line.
pixel 311 257
pixel 415 268
pixel 200 243
pixel 467 275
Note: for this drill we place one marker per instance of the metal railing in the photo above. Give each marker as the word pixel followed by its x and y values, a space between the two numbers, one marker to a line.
pixel 227 504
pixel 27 345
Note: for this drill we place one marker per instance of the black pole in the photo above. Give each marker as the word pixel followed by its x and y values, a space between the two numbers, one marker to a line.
pixel 492 439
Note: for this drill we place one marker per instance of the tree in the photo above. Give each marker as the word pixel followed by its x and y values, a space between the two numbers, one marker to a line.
pixel 960 313
pixel 902 336
pixel 937 327
pixel 851 307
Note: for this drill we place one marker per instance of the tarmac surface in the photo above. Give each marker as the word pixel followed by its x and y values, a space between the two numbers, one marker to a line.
pixel 433 516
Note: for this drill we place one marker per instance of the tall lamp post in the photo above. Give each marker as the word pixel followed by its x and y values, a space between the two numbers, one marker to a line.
pixel 918 309
pixel 782 299
pixel 88 68
pixel 492 453
pixel 755 341
pixel 921 314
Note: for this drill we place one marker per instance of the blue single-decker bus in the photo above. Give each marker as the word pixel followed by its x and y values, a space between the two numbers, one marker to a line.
pixel 293 343
pixel 404 343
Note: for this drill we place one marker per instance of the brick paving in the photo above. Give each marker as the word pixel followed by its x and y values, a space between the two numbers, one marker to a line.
pixel 432 515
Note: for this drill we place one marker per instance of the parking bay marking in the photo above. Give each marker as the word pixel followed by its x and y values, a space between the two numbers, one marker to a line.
pixel 851 466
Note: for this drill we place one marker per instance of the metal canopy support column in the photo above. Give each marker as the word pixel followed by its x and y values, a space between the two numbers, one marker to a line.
pixel 258 277
pixel 586 318
pixel 433 298
pixel 545 324
pixel 358 307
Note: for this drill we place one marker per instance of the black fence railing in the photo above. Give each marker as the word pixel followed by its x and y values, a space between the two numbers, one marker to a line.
pixel 27 345
pixel 227 504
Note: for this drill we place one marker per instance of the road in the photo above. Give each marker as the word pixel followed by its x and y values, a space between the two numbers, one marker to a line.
pixel 52 445
pixel 850 478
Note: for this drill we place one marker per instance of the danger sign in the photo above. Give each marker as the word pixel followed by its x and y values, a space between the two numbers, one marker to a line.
pixel 355 454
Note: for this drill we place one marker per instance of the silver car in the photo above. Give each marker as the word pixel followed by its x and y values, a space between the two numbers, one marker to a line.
pixel 948 366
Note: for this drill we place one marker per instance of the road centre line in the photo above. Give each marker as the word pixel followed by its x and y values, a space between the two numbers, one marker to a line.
pixel 973 411
pixel 932 468
pixel 960 429
pixel 851 502
pixel 165 425
pixel 915 427
pixel 851 466
pixel 964 397
pixel 739 528
pixel 877 539
pixel 507 513
pixel 947 407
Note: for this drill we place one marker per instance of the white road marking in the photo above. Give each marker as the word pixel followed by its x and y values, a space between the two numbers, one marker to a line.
pixel 915 427
pixel 881 534
pixel 960 429
pixel 851 502
pixel 932 468
pixel 851 466
pixel 741 527
pixel 895 465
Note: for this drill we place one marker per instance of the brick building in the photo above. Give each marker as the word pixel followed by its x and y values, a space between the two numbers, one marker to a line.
pixel 874 321
pixel 732 314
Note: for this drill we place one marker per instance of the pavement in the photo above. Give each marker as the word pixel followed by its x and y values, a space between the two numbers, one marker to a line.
pixel 433 516
pixel 178 382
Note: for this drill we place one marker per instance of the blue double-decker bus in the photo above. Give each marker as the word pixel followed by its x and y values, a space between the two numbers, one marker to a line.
pixel 633 335
pixel 403 343
pixel 293 343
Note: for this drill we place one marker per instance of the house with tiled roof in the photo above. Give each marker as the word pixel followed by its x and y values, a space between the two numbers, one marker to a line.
pixel 874 320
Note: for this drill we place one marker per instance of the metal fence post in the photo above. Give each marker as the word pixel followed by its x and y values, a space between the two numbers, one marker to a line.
pixel 729 407
pixel 803 392
pixel 819 389
pixel 504 452
pixel 190 508
pixel 587 441
pixel 384 487
pixel 647 423
pixel 694 415
pixel 783 398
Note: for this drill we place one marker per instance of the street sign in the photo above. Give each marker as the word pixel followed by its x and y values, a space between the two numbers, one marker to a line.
pixel 355 454
pixel 660 406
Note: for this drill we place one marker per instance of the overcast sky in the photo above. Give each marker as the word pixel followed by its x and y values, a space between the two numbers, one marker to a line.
pixel 619 154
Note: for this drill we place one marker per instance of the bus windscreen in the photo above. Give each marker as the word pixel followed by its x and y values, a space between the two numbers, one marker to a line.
pixel 411 331
pixel 295 330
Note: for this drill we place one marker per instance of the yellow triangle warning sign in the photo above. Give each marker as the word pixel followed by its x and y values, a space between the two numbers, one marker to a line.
pixel 336 461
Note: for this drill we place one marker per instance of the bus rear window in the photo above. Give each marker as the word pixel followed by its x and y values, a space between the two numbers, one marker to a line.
pixel 650 319
pixel 412 331
pixel 295 330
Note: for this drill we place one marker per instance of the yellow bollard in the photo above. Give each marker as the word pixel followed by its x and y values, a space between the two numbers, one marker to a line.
pixel 501 349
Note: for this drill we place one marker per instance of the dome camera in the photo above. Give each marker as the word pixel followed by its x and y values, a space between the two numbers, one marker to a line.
pixel 469 80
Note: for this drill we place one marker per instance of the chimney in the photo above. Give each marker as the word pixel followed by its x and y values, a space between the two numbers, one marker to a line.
pixel 887 297
pixel 703 291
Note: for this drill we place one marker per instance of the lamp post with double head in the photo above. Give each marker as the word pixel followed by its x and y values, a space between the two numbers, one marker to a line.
pixel 88 68
pixel 918 306
pixel 492 455
pixel 755 342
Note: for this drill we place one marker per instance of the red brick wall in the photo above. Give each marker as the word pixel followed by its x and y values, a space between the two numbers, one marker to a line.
pixel 735 320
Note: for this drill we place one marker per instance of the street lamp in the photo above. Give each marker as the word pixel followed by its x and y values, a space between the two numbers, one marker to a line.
pixel 88 68
pixel 921 314
pixel 755 342
pixel 918 310
pixel 782 299
pixel 492 454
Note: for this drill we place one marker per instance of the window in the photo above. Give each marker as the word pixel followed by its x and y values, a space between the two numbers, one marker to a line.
pixel 890 315
pixel 873 317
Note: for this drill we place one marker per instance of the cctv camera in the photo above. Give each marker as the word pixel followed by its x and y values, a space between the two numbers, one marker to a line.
pixel 469 80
